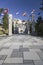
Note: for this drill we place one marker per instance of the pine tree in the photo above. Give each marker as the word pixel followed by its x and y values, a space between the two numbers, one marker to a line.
pixel 41 8
pixel 39 26
pixel 1 10
pixel 5 21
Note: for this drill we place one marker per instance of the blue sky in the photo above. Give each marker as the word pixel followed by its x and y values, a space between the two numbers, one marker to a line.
pixel 21 6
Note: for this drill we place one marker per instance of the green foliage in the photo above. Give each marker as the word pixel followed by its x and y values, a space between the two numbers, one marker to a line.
pixel 1 10
pixel 5 21
pixel 39 26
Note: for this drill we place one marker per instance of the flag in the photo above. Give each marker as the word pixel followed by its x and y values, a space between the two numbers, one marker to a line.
pixel 39 13
pixel 17 13
pixel 1 14
pixel 30 15
pixel 32 11
pixel 24 14
pixel 5 11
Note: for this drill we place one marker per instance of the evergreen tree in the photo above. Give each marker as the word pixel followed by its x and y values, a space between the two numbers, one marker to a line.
pixel 5 21
pixel 1 10
pixel 39 26
pixel 41 8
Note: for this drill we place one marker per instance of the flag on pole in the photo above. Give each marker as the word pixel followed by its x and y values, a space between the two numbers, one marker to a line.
pixel 2 14
pixel 5 11
pixel 17 13
pixel 39 13
pixel 24 14
pixel 32 11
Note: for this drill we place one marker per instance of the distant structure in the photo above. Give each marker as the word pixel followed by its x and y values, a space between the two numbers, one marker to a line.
pixel 22 26
pixel 19 24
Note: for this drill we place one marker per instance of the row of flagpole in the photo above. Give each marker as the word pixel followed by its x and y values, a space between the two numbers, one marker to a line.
pixel 24 14
pixel 17 12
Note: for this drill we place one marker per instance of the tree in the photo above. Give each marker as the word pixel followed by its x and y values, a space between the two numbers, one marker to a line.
pixel 39 26
pixel 41 8
pixel 1 10
pixel 5 22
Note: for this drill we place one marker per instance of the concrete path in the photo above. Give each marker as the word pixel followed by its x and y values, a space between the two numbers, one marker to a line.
pixel 21 50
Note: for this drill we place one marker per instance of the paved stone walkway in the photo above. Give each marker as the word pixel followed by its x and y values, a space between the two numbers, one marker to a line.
pixel 21 50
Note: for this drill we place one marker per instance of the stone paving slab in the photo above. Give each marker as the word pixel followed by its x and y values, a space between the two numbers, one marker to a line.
pixel 3 57
pixel 38 62
pixel 16 64
pixel 14 47
pixel 7 45
pixel 41 50
pixel 36 46
pixel 40 55
pixel 35 50
pixel 1 62
pixel 3 48
pixel 16 53
pixel 13 60
pixel 23 49
pixel 28 62
pixel 4 52
pixel 31 56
